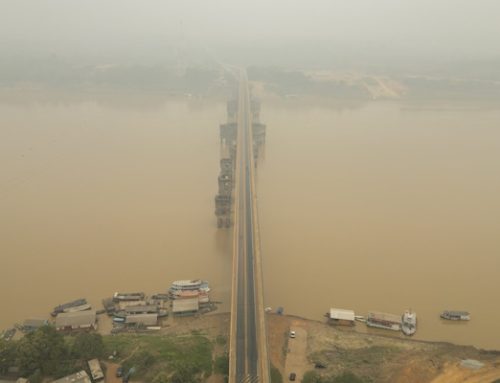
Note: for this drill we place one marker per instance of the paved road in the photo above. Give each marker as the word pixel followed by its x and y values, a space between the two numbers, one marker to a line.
pixel 247 326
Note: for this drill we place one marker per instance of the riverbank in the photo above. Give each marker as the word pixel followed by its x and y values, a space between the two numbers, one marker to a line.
pixel 373 358
pixel 319 352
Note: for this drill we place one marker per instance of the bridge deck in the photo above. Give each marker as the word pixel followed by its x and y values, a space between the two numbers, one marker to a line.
pixel 248 347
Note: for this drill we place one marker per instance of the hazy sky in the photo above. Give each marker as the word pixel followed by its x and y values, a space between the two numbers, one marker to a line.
pixel 467 27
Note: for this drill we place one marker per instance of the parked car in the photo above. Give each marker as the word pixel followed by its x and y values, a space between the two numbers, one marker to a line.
pixel 292 334
pixel 292 376
pixel 119 372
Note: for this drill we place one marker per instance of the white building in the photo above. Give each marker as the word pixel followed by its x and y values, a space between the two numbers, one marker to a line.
pixel 341 317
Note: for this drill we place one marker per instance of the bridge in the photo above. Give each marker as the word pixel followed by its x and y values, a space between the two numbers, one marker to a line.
pixel 248 359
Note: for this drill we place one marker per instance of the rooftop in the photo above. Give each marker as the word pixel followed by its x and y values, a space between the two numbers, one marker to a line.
pixel 341 314
pixel 79 377
pixel 76 319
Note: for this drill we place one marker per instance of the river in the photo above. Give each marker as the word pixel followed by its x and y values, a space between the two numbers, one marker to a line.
pixel 382 206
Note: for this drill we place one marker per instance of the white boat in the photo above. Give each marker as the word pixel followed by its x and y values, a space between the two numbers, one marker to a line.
pixel 455 315
pixel 187 284
pixel 409 322
pixel 204 298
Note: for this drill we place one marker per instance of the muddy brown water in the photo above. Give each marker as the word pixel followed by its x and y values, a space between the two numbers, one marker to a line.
pixel 379 207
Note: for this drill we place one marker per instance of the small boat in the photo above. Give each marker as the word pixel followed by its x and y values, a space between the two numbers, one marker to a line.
pixel 77 308
pixel 455 315
pixel 409 322
pixel 203 298
pixel 128 297
pixel 162 313
pixel 65 306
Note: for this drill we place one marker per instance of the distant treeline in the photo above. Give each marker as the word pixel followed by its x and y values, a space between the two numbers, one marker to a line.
pixel 57 72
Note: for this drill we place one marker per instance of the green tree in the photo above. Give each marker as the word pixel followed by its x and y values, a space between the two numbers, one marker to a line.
pixel 185 373
pixel 88 346
pixel 311 377
pixel 221 365
pixel 7 355
pixel 347 377
pixel 276 375
pixel 41 350
pixel 162 377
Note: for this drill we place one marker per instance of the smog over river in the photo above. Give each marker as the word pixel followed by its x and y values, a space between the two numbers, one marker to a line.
pixel 378 185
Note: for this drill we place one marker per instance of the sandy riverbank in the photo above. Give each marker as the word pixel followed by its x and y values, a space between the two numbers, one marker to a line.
pixel 381 358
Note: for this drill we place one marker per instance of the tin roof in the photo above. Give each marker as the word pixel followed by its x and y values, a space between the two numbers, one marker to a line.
pixel 76 319
pixel 141 309
pixel 95 369
pixel 341 314
pixel 79 377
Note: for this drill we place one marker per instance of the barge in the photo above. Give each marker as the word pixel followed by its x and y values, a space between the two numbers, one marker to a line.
pixel 384 321
pixel 118 297
pixel 65 306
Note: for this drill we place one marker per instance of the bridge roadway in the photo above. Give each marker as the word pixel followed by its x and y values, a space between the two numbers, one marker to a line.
pixel 248 359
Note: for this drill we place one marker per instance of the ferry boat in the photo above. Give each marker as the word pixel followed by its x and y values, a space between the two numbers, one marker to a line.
pixel 65 306
pixel 409 322
pixel 185 294
pixel 455 315
pixel 384 321
pixel 187 284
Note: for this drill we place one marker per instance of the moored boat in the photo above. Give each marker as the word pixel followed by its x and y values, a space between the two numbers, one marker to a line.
pixel 409 322
pixel 77 308
pixel 117 297
pixel 203 298
pixel 455 315
pixel 185 294
pixel 384 321
pixel 65 306
pixel 187 284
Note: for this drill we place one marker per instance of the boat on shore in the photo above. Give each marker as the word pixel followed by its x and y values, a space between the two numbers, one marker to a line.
pixel 65 306
pixel 455 315
pixel 409 323
pixel 384 321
